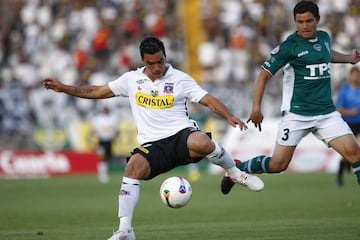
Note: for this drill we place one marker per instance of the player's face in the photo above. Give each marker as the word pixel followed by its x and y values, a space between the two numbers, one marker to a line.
pixel 155 65
pixel 306 25
pixel 355 78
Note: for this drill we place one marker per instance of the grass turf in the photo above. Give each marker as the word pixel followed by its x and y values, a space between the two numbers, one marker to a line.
pixel 292 206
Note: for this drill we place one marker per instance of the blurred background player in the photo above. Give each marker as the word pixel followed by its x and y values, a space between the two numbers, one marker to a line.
pixel 105 126
pixel 348 104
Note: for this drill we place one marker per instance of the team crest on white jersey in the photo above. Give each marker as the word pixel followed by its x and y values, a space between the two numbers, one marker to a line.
pixel 169 88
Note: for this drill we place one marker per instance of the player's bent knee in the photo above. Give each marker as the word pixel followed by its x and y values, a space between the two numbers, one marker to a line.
pixel 201 144
pixel 137 168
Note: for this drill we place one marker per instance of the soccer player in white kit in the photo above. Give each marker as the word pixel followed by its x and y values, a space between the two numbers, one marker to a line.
pixel 167 138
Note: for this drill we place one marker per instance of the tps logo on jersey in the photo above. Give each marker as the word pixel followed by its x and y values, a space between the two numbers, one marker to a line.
pixel 318 71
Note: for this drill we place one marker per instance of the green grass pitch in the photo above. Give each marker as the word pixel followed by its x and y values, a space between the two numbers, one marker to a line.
pixel 292 206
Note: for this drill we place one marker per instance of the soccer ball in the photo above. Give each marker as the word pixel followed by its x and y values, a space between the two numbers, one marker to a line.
pixel 175 192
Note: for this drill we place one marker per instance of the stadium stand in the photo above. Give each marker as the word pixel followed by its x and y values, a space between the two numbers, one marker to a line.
pixel 88 41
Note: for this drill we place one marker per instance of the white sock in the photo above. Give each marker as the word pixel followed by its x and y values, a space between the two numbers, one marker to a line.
pixel 102 168
pixel 222 158
pixel 128 199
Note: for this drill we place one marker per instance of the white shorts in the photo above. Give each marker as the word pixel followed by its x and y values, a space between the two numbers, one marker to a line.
pixel 293 127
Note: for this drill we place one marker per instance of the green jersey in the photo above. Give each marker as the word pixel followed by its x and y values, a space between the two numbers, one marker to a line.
pixel 306 81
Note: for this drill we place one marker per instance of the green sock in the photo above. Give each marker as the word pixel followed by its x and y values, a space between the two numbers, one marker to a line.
pixel 258 164
pixel 356 169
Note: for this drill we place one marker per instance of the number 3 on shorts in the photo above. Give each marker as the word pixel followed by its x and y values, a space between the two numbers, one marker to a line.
pixel 286 134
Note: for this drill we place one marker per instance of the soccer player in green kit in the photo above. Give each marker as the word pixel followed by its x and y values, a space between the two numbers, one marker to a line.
pixel 307 105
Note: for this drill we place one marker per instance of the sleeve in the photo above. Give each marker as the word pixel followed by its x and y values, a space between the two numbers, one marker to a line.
pixel 120 86
pixel 280 56
pixel 192 90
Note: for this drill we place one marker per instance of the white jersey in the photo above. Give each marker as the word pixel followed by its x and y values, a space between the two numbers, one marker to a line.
pixel 105 126
pixel 159 107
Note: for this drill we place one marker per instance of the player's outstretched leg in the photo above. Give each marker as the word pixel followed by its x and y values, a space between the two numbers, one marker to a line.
pixel 252 182
pixel 259 164
pixel 220 157
pixel 226 182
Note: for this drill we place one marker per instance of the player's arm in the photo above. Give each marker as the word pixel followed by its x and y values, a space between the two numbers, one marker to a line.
pixel 218 107
pixel 93 92
pixel 337 57
pixel 347 112
pixel 256 115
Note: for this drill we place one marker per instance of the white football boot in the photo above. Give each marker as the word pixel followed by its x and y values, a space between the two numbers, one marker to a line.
pixel 253 182
pixel 123 235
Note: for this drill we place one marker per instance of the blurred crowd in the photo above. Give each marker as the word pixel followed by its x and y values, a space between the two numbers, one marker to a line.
pixel 91 42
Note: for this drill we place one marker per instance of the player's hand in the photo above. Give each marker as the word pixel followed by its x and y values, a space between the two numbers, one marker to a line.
pixel 234 121
pixel 53 84
pixel 355 56
pixel 256 118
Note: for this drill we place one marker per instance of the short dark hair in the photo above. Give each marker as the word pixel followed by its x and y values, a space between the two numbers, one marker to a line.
pixel 151 45
pixel 306 6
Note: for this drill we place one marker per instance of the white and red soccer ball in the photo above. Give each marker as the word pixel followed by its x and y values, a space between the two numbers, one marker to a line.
pixel 175 192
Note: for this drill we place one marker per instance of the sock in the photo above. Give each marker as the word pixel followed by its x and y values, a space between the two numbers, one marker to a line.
pixel 220 157
pixel 356 169
pixel 258 164
pixel 128 199
pixel 102 168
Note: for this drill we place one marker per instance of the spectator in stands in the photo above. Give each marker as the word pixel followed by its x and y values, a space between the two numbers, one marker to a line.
pixel 16 118
pixel 41 26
